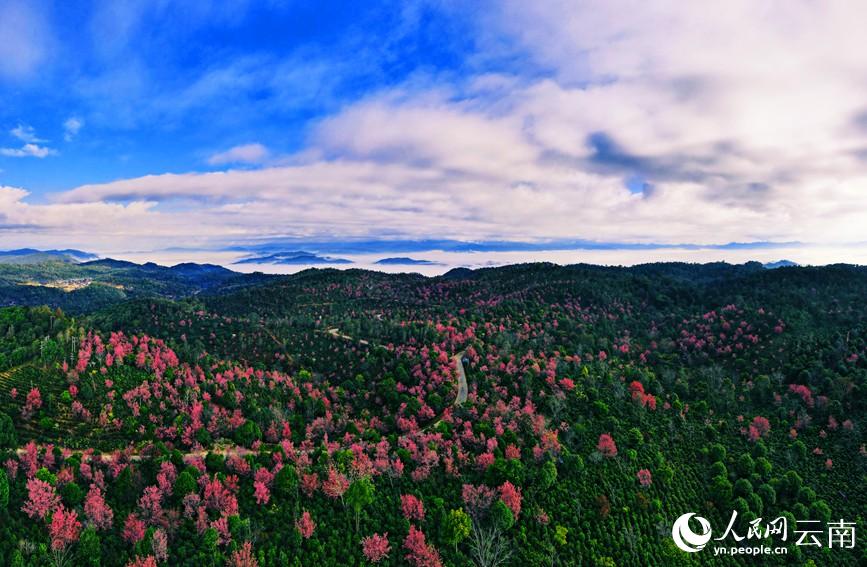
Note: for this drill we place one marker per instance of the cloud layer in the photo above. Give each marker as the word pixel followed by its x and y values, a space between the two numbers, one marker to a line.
pixel 634 122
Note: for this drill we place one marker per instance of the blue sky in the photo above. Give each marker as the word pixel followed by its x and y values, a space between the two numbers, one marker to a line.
pixel 156 86
pixel 150 125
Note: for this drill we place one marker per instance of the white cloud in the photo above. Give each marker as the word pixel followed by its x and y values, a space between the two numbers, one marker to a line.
pixel 31 147
pixel 28 150
pixel 754 91
pixel 98 225
pixel 447 135
pixel 25 133
pixel 247 153
pixel 71 127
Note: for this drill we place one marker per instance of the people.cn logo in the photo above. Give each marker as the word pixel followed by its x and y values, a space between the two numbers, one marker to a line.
pixel 685 538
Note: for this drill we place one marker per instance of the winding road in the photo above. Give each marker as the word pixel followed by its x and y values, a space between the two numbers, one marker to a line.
pixel 233 450
pixel 462 379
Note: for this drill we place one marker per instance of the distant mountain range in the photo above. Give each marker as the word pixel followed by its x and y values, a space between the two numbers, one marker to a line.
pixel 185 270
pixel 298 257
pixel 34 256
pixel 780 264
pixel 304 258
pixel 403 261
pixel 59 280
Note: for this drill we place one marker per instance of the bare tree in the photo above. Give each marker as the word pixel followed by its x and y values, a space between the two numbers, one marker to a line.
pixel 489 547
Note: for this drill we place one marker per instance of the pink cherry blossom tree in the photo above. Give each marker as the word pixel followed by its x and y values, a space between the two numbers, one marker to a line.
pixel 644 477
pixel 243 557
pixel 133 529
pixel 41 499
pixel 511 497
pixel 305 525
pixel 412 507
pixel 419 552
pixel 376 547
pixel 606 446
pixel 64 528
pixel 98 513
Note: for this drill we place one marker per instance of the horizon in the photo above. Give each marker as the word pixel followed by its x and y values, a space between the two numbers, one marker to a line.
pixel 383 263
pixel 630 135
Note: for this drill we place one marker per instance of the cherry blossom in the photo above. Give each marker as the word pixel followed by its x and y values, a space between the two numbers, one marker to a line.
pixel 375 547
pixel 305 524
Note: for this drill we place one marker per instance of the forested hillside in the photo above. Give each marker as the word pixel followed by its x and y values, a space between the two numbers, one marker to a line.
pixel 525 415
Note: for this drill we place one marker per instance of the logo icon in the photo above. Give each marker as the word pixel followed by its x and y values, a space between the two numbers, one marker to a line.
pixel 685 538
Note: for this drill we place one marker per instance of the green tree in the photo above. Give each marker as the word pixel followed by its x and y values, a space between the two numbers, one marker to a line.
pixel 4 490
pixel 209 541
pixel 8 436
pixel 743 487
pixel 664 474
pixel 457 527
pixel 721 490
pixel 123 488
pixel 45 475
pixel 359 495
pixel 764 467
pixel 768 494
pixel 72 494
pixel 717 452
pixel 547 475
pixel 745 465
pixel 820 510
pixel 240 529
pixel 185 484
pixel 718 469
pixel 248 433
pixel 560 533
pixel 501 516
pixel 286 481
pixel 89 548
pixel 792 483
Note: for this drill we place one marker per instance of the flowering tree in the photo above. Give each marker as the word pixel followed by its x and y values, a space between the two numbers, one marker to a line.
pixel 261 485
pixel 63 532
pixel 412 507
pixel 32 403
pixel 151 506
pixel 606 446
pixel 160 545
pixel 644 477
pixel 336 484
pixel 376 547
pixel 477 498
pixel 166 477
pixel 760 427
pixel 64 528
pixel 133 529
pixel 511 497
pixel 419 552
pixel 243 557
pixel 305 524
pixel 41 498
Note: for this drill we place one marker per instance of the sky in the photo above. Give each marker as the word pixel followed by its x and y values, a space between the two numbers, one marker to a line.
pixel 613 131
